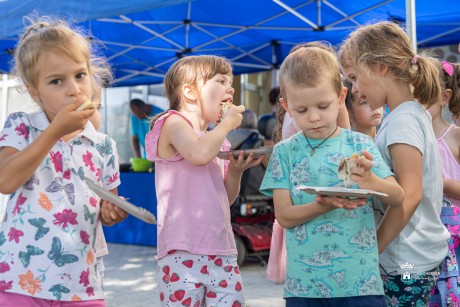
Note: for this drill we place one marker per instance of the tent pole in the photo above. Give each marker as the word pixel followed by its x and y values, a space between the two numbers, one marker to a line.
pixel 411 23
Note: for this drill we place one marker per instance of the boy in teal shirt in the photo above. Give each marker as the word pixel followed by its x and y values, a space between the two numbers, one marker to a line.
pixel 331 242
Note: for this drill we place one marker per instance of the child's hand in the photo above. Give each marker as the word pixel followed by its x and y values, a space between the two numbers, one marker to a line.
pixel 340 202
pixel 241 164
pixel 362 174
pixel 68 120
pixel 232 118
pixel 111 214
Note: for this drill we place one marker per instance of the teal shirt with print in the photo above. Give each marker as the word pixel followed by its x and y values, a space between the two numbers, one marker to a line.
pixel 335 254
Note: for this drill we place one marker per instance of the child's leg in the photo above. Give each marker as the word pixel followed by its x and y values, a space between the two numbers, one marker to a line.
pixel 413 292
pixel 191 280
pixel 18 300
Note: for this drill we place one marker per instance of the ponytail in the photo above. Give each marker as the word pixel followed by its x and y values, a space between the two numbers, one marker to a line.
pixel 425 81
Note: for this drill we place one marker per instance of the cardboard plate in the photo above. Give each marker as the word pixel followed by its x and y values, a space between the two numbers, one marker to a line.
pixel 265 150
pixel 340 192
pixel 134 210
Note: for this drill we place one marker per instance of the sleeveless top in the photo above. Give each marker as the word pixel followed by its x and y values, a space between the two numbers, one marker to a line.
pixel 193 207
pixel 450 167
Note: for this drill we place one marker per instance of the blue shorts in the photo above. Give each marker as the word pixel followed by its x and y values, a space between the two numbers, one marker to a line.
pixel 352 301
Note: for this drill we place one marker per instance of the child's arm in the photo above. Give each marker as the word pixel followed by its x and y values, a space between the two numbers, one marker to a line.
pixel 111 214
pixel 236 168
pixel 25 162
pixel 451 188
pixel 368 180
pixel 198 151
pixel 407 165
pixel 289 216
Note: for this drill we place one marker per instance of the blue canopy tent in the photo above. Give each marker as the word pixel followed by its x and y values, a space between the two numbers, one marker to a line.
pixel 142 38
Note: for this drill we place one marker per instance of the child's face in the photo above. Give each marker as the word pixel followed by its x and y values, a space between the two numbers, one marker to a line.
pixel 215 91
pixel 314 109
pixel 368 85
pixel 363 115
pixel 60 81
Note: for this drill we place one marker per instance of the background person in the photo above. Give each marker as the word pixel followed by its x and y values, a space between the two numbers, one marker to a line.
pixel 140 124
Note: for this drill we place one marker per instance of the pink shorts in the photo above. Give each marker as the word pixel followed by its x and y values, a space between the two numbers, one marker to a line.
pixel 19 300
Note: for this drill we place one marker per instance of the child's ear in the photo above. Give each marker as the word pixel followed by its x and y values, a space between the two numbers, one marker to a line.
pixel 33 92
pixel 445 97
pixel 342 96
pixel 285 106
pixel 189 92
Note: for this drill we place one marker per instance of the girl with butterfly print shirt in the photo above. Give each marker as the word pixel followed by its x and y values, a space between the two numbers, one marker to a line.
pixel 48 236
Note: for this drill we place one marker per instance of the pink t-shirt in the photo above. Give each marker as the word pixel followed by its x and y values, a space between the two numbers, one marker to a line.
pixel 450 166
pixel 193 208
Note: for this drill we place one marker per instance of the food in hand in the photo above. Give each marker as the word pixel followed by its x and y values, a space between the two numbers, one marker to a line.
pixel 345 167
pixel 225 106
pixel 88 104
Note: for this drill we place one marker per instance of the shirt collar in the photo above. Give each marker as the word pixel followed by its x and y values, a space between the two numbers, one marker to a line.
pixel 39 121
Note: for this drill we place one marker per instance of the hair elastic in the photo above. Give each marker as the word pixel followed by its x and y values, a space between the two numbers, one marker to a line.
pixel 448 68
pixel 415 59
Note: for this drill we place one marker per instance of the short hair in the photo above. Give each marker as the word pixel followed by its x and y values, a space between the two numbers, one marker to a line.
pixel 137 103
pixel 306 67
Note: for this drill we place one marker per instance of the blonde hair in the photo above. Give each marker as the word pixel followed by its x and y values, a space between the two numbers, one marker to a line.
pixel 46 34
pixel 191 70
pixel 314 77
pixel 385 43
pixel 307 67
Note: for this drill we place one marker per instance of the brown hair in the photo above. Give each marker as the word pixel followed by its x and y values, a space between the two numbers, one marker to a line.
pixel 191 70
pixel 386 43
pixel 452 83
pixel 48 34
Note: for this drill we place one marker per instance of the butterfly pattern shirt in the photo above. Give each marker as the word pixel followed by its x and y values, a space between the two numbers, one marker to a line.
pixel 335 254
pixel 47 239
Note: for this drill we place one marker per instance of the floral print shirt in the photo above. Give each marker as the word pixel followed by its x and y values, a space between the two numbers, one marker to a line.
pixel 48 236
pixel 335 254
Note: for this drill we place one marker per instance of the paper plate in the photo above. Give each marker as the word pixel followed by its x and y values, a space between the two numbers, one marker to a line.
pixel 265 150
pixel 340 192
pixel 134 210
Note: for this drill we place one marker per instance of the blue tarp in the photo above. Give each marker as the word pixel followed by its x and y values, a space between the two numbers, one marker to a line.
pixel 142 38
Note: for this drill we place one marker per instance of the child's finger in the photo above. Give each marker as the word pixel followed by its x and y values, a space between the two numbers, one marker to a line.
pixel 367 155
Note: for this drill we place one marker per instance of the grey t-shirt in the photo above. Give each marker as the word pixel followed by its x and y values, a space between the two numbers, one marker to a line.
pixel 423 242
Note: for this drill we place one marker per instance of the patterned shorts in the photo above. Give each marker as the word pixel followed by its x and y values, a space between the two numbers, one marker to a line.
pixel 413 290
pixel 187 279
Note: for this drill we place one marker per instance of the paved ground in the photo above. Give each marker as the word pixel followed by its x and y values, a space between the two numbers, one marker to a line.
pixel 130 279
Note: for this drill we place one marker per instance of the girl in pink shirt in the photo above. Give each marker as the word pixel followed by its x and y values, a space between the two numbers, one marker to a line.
pixel 446 291
pixel 196 247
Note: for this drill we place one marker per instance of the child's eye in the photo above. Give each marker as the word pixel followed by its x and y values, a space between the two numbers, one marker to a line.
pixel 81 75
pixel 323 107
pixel 55 81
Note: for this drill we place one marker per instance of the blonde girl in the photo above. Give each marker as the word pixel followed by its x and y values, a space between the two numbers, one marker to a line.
pixel 384 70
pixel 196 246
pixel 47 241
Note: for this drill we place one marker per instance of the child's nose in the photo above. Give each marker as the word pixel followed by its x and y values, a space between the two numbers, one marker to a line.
pixel 231 90
pixel 73 88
